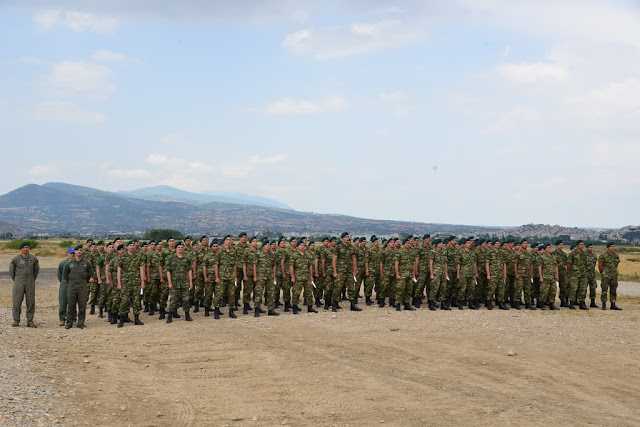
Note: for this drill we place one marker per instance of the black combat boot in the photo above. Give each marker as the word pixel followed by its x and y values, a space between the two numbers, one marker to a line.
pixel 344 296
pixel 272 313
pixel 354 306
pixel 432 305
pixel 334 306
pixel 93 309
pixel 543 306
pixel 188 318
pixel 418 302
pixel 445 305
pixel 454 302
pixel 392 302
pixel 572 305
pixel 146 307
pixel 260 310
pixel 176 315
pixel 532 307
pixel 287 306
pixel 170 317
pixel 232 315
pixel 381 302
pixel 196 307
pixel 225 301
pixel 152 309
pixel 216 313
pixel 516 305
pixel 398 307
pixel 476 304
pixel 614 306
pixel 245 308
pixel 295 309
pixel 101 315
pixel 310 309
pixel 604 305
pixel 327 303
pixel 368 301
pixel 527 306
pixel 162 313
pixel 206 312
pixel 318 302
pixel 256 313
pixel 489 305
pixel 114 319
pixel 460 306
pixel 502 305
pixel 583 306
pixel 126 318
pixel 562 304
pixel 552 306
pixel 407 306
pixel 277 303
pixel 463 302
pixel 121 322
pixel 593 303
pixel 136 320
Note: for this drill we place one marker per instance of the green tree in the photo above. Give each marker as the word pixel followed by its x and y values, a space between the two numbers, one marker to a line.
pixel 162 234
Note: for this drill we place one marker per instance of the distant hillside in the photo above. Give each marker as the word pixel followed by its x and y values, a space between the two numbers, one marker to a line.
pixel 165 193
pixel 61 208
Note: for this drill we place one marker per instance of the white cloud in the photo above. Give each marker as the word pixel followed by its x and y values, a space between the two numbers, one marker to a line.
pixel 533 72
pixel 335 42
pixel 80 78
pixel 257 159
pixel 76 21
pixel 290 106
pixel 42 170
pixel 108 56
pixel 617 101
pixel 514 120
pixel 162 160
pixel 63 111
pixel 401 103
pixel 129 173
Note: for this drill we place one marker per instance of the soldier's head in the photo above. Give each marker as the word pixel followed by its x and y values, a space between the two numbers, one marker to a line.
pixel 180 248
pixel 228 241
pixel 524 244
pixel 266 245
pixel 611 247
pixel 580 245
pixel 375 242
pixel 171 241
pixel 312 245
pixel 120 249
pixel 293 242
pixel 131 246
pixel 363 242
pixel 159 246
pixel 333 242
pixel 204 241
pixel 282 244
pixel 547 249
pixel 496 244
pixel 187 242
pixel 152 245
pixel 24 249
pixel 144 246
pixel 79 250
pixel 589 247
pixel 109 247
pixel 273 245
pixel 71 253
pixel 559 244
pixel 254 242
pixel 325 241
pixel 345 238
pixel 243 237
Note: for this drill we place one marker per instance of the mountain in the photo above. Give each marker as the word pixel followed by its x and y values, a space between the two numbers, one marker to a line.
pixel 165 193
pixel 58 208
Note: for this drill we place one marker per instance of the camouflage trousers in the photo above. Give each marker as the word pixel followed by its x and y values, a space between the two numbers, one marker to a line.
pixel 247 290
pixel 179 297
pixel 510 286
pixel 130 290
pixel 535 287
pixel 94 292
pixel 495 286
pixel 225 287
pixel 436 286
pixel 115 299
pixel 298 286
pixel 522 285
pixel 105 292
pixel 420 285
pixel 452 286
pixel 404 290
pixel 574 285
pixel 259 290
pixel 152 291
pixel 277 289
pixel 581 291
pixel 563 284
pixel 371 283
pixel 466 287
pixel 318 291
pixel 386 283
pixel 208 291
pixel 608 285
pixel 344 281
pixel 199 287
pixel 163 294
pixel 481 286
pixel 547 290
pixel 328 287
pixel 361 281
pixel 592 285
pixel 286 290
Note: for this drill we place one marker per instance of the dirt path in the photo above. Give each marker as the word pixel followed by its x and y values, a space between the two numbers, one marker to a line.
pixel 370 368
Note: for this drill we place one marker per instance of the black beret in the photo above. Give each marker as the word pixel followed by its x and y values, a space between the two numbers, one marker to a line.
pixel 168 238
pixel 426 236
pixel 331 239
pixel 579 241
pixel 588 244
pixel 374 239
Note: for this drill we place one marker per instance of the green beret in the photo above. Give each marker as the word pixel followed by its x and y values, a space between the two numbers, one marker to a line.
pixel 523 240
pixel 510 240
pixel 462 241
pixel 77 247
pixel 282 239
pixel 311 242
pixel 299 242
pixel 168 238
pixel 226 237
pixel 325 238
pixel 344 234
pixel 558 242
pixel 363 239
pixel 477 243
pixel 355 239
pixel 213 242
pixel 586 245
pixel 578 242
pixel 120 247
pixel 291 239
pixel 130 242
pixel 188 238
pixel 572 247
pixel 179 242
pixel 23 244
pixel 331 239
pixel 426 236
pixel 244 233
pixel 253 237
pixel 203 237
pixel 144 244
pixel 371 239
pixel 405 240
pixel 89 240
pixel 436 241
pixel 609 244
pixel 374 239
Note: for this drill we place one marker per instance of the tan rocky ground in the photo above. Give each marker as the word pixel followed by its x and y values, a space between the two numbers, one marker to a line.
pixel 377 367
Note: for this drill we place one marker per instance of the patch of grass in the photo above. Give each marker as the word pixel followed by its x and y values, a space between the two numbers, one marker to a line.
pixel 66 244
pixel 15 244
pixel 633 259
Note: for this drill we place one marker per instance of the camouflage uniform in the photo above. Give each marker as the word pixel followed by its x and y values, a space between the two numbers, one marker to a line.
pixel 609 283
pixel 164 284
pixel 425 252
pixel 179 268
pixel 344 268
pixel 535 287
pixel 286 283
pixel 129 265
pixel 562 260
pixel 226 262
pixel 313 258
pixel 209 261
pixel 198 282
pixel 318 292
pixel 548 263
pixel 576 275
pixel 404 285
pixel 242 252
pixel 590 261
pixel 280 275
pixel 482 281
pixel 466 283
pixel 101 263
pixel 154 261
pixel 329 281
pixel 438 285
pixel 387 283
pixel 250 257
pixel 265 267
pixel 452 262
pixel 509 258
pixel 115 293
pixel 523 282
pixel 496 285
pixel 373 281
pixel 301 264
pixel 94 287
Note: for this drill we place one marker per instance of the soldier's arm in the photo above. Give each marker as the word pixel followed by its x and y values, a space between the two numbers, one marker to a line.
pixel 98 274
pixel 515 269
pixel 282 268
pixel 148 273
pixel 397 267
pixel 569 266
pixel 273 270
pixel 169 279
pixel 354 264
pixel 36 269
pixel 160 270
pixel 600 266
pixel 475 268
pixel 334 260
pixel 557 273
pixel 216 271
pixel 291 272
pixel 255 272
pixel 194 267
pixel 244 272
pixel 204 273
pixel 540 273
pixel 431 269
pixel 488 270
pixel 458 271
pixel 381 268
pixel 315 266
pixel 65 272
pixel 310 274
pixel 324 267
pixel 190 272
pixel 142 276
pixel 504 270
pixel 12 270
pixel 119 277
pixel 59 273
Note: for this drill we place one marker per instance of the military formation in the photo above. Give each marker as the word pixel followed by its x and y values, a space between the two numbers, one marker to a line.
pixel 162 277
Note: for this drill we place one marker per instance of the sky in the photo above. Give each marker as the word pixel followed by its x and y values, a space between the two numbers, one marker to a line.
pixel 483 112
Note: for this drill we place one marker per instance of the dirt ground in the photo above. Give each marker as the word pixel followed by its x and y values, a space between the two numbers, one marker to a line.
pixel 376 367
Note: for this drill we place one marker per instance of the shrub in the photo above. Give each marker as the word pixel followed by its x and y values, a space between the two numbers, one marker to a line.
pixel 66 244
pixel 15 244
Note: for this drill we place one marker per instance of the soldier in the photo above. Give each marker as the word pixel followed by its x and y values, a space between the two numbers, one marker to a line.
pixel 247 288
pixel 562 260
pixel 179 269
pixel 78 272
pixel 209 277
pixel 62 292
pixel 320 274
pixel 329 281
pixel 575 267
pixel 241 250
pixel 281 272
pixel 437 274
pixel 112 275
pixel 105 289
pixel 465 273
pixel 360 247
pixel 548 274
pixel 130 274
pixel 509 258
pixel 524 275
pixel 164 284
pixel 535 284
pixel 590 261
pixel 496 268
pixel 226 277
pixel 301 272
pixel 345 271
pixel 452 263
pixel 153 275
pixel 264 276
pixel 404 276
pixel 423 269
pixel 286 284
pixel 313 259
pixel 372 271
pixel 23 270
pixel 608 268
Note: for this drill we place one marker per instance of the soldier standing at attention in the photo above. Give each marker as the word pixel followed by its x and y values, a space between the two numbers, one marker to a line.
pixel 130 281
pixel 209 276
pixel 465 273
pixel 301 272
pixel 361 261
pixel 575 267
pixel 548 274
pixel 535 285
pixel 247 288
pixel 404 276
pixel 241 250
pixel 226 277
pixel 344 271
pixel 200 252
pixel 105 289
pixel 561 260
pixel 524 275
pixel 496 273
pixel 179 268
pixel 264 274
pixel 452 262
pixel 112 275
pixel 372 271
pixel 437 284
pixel 329 281
pixel 480 254
pixel 164 285
pixel 281 273
pixel 23 270
pixel 608 268
pixel 62 292
pixel 590 262
pixel 78 272
pixel 320 278
pixel 286 284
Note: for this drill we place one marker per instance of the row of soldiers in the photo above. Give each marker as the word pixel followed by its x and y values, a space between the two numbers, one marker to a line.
pixel 466 272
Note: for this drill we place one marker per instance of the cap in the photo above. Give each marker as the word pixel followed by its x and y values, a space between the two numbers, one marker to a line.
pixel 71 251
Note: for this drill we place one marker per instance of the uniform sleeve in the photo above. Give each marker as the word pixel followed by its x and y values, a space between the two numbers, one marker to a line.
pixel 12 270
pixel 36 269
pixel 65 272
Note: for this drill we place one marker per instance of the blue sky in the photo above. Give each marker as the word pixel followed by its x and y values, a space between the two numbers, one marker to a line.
pixel 475 112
